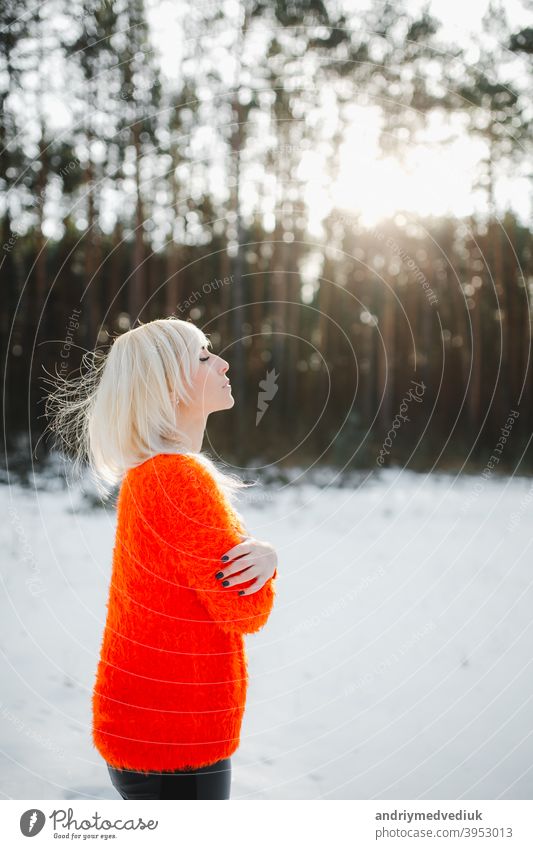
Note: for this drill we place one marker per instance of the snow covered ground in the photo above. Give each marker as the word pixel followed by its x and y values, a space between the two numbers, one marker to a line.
pixel 396 664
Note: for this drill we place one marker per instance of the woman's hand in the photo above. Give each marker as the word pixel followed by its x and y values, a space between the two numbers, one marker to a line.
pixel 257 558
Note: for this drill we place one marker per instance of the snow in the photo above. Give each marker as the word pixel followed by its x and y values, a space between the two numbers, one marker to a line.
pixel 395 665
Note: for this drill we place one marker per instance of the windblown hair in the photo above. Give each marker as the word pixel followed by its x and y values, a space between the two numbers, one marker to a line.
pixel 122 410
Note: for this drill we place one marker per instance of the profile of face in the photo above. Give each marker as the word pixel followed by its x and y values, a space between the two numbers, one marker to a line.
pixel 211 387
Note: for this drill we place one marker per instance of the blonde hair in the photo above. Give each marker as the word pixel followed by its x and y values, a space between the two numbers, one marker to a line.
pixel 122 411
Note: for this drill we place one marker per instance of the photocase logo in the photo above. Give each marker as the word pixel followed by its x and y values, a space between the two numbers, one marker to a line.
pixel 32 822
pixel 399 417
pixel 269 389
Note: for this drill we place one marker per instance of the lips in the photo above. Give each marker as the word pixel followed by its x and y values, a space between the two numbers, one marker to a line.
pixel 226 385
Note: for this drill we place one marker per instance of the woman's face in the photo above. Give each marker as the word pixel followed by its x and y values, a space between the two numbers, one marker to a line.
pixel 212 390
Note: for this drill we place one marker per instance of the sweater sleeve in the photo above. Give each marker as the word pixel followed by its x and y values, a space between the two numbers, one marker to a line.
pixel 198 525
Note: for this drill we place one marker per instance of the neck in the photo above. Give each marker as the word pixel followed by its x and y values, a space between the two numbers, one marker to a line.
pixel 193 426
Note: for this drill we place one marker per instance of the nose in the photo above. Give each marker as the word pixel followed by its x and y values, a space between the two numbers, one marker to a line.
pixel 225 366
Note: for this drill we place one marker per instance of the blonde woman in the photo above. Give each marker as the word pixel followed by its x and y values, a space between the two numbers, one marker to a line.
pixel 187 582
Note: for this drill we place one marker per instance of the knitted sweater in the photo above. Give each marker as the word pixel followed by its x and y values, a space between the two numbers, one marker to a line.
pixel 171 682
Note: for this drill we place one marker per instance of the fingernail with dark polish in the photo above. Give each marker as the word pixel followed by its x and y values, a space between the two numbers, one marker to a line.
pixel 224 557
pixel 219 575
pixel 241 592
pixel 225 583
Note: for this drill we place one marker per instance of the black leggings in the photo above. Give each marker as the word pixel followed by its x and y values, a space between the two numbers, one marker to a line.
pixel 206 782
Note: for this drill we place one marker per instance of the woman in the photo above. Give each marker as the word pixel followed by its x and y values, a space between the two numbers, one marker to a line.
pixel 187 583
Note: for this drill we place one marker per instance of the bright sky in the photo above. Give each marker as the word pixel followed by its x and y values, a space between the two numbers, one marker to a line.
pixel 434 179
pixel 456 25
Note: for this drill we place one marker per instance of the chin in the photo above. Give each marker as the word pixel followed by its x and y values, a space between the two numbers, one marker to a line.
pixel 230 402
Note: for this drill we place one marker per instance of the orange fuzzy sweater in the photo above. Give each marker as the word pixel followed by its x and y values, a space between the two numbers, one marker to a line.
pixel 171 683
